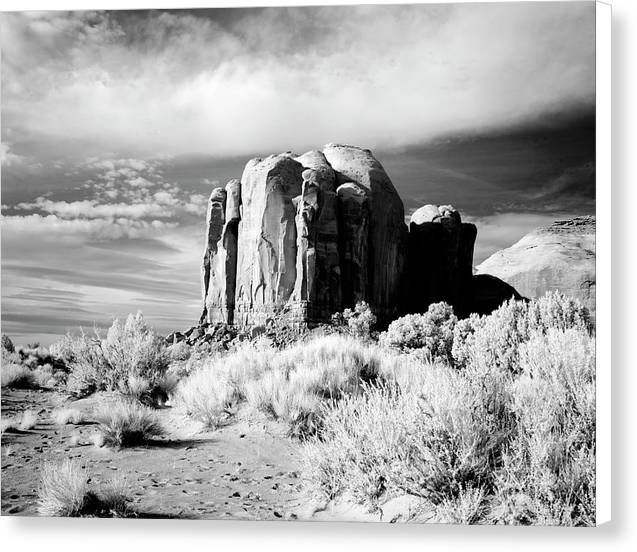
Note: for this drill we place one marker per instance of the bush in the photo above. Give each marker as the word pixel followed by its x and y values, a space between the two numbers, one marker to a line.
pixel 179 352
pixel 359 321
pixel 133 349
pixel 84 356
pixel 67 416
pixel 64 492
pixel 17 377
pixel 431 443
pixel 548 474
pixel 131 357
pixel 127 424
pixel 495 340
pixel 28 420
pixel 7 344
pixel 431 332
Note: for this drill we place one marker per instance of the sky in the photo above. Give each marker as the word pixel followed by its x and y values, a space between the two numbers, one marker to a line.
pixel 115 126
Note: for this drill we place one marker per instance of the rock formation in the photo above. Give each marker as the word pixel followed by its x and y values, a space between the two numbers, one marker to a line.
pixel 315 234
pixel 387 234
pixel 487 293
pixel 440 258
pixel 557 257
pixel 302 237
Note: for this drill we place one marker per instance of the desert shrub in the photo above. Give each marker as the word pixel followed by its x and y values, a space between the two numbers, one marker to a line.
pixel 17 376
pixel 495 340
pixel 133 349
pixel 65 492
pixel 360 321
pixel 179 352
pixel 431 332
pixel 208 397
pixel 84 355
pixel 67 416
pixel 431 442
pixel 548 473
pixel 131 359
pixel 28 420
pixel 126 424
pixel 7 344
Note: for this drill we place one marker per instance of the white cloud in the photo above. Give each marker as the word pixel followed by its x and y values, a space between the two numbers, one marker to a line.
pixel 91 209
pixel 289 79
pixel 55 230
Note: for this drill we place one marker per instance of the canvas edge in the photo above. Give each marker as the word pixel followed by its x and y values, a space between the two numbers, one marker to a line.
pixel 603 14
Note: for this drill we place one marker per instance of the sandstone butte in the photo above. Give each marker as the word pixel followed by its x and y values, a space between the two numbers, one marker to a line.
pixel 300 237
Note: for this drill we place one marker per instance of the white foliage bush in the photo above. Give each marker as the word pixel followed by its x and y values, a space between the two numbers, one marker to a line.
pixel 431 332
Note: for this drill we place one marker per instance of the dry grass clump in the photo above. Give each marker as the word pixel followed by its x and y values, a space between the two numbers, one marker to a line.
pixel 68 416
pixel 127 424
pixel 8 424
pixel 289 385
pixel 217 384
pixel 17 376
pixel 64 492
pixel 28 420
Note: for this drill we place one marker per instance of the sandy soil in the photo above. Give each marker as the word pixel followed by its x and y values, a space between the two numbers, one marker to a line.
pixel 246 470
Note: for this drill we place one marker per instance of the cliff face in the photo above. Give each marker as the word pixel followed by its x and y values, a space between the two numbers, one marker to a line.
pixel 557 257
pixel 314 234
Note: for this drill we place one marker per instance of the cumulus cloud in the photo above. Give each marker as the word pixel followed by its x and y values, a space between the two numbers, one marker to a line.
pixel 289 78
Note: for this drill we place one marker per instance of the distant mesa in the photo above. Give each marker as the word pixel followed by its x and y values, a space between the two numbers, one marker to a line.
pixel 560 256
pixel 301 237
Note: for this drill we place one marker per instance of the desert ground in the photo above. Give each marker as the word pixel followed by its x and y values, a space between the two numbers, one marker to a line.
pixel 246 470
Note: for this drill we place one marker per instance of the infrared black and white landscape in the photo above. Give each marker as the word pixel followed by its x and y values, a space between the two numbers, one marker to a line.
pixel 300 263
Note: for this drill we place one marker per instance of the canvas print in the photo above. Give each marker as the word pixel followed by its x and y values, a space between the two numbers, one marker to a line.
pixel 331 263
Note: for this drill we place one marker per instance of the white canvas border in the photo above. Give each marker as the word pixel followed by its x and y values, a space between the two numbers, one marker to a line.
pixel 159 535
pixel 603 259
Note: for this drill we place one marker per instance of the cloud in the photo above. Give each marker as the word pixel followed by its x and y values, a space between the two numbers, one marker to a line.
pixel 288 78
pixel 52 228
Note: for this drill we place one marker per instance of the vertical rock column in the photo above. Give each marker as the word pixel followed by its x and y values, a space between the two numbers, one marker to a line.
pixel 230 245
pixel 387 238
pixel 266 263
pixel 353 242
pixel 215 219
pixel 318 285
